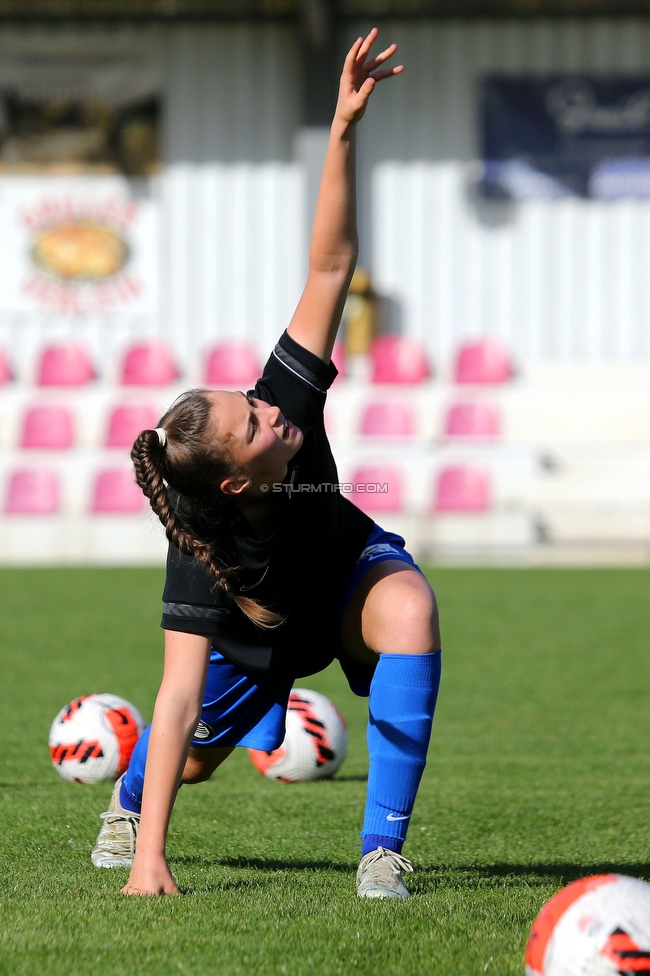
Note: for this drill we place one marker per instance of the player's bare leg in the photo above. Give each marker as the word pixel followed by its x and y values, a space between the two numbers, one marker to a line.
pixel 201 763
pixel 393 615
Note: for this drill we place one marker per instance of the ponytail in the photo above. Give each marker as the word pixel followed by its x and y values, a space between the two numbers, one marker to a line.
pixel 185 463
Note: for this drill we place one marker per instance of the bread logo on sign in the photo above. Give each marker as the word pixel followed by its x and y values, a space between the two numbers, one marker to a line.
pixel 80 250
pixel 80 257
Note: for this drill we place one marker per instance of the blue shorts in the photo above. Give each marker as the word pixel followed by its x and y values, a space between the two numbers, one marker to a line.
pixel 239 710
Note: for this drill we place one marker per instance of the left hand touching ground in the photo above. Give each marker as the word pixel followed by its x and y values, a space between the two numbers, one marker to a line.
pixel 360 76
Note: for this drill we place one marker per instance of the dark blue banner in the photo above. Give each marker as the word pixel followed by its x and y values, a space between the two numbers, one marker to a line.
pixel 563 135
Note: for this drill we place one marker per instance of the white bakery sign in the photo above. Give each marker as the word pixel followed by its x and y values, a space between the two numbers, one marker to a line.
pixel 84 245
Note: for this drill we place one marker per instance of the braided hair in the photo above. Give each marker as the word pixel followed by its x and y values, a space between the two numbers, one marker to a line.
pixel 193 464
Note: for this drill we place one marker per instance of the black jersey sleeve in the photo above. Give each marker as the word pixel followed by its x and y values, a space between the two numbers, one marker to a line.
pixel 297 381
pixel 192 603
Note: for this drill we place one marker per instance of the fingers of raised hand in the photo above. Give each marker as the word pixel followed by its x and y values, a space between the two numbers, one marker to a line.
pixel 366 45
pixel 379 75
pixel 353 54
pixel 380 58
pixel 365 89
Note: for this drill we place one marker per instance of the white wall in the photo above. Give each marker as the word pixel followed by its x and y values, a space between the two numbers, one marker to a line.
pixel 563 280
pixel 233 199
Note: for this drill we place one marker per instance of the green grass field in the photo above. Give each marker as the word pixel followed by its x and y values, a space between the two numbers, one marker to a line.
pixel 538 774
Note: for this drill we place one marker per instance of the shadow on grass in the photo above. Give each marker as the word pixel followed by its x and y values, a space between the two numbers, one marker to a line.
pixel 428 878
pixel 475 875
pixel 263 864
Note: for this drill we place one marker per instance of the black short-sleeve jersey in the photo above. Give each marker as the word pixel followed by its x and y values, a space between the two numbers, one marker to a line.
pixel 301 571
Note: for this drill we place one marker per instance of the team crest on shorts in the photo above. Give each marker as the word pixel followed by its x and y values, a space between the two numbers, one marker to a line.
pixel 203 731
pixel 379 549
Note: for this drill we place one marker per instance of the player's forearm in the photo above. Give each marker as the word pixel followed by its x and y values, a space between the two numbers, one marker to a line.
pixel 334 242
pixel 174 722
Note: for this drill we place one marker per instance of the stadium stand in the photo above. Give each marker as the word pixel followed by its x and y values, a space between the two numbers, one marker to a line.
pixel 553 465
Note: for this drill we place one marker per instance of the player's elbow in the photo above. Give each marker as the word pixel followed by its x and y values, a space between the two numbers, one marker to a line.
pixel 179 707
pixel 336 265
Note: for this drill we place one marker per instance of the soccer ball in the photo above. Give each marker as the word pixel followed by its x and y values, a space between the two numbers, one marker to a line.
pixel 92 738
pixel 598 926
pixel 314 744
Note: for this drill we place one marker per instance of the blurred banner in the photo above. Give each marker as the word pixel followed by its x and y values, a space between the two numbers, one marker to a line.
pixel 564 135
pixel 81 245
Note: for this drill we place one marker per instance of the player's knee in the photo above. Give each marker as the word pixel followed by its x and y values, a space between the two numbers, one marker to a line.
pixel 418 618
pixel 405 617
pixel 201 763
pixel 196 772
pixel 198 769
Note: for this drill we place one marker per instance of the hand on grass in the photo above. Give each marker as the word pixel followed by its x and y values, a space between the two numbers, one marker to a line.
pixel 359 77
pixel 150 877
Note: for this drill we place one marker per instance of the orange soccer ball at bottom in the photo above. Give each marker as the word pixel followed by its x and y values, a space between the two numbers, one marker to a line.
pixel 597 926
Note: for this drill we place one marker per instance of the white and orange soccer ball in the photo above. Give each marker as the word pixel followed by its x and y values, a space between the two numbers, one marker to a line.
pixel 92 738
pixel 598 926
pixel 314 744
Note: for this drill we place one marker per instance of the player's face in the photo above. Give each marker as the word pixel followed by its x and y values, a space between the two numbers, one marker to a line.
pixel 261 440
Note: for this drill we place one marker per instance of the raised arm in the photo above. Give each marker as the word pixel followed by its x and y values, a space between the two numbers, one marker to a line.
pixel 334 241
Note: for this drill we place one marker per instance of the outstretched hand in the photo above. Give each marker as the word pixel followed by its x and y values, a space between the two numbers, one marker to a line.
pixel 359 77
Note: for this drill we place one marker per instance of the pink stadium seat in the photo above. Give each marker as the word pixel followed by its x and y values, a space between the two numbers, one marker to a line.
pixel 149 364
pixel 233 363
pixel 6 373
pixel 64 364
pixel 49 427
pixel 388 419
pixel 33 491
pixel 397 359
pixel 126 422
pixel 373 498
pixel 116 493
pixel 478 420
pixel 483 361
pixel 464 488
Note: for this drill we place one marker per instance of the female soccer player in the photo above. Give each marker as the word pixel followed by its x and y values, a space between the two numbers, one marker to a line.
pixel 272 573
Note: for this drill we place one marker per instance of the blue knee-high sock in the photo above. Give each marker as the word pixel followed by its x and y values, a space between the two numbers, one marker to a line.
pixel 133 780
pixel 402 702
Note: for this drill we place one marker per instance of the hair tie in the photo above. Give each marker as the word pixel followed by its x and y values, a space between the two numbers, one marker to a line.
pixel 162 435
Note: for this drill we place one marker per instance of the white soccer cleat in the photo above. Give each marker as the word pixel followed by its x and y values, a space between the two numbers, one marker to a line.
pixel 380 875
pixel 115 846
